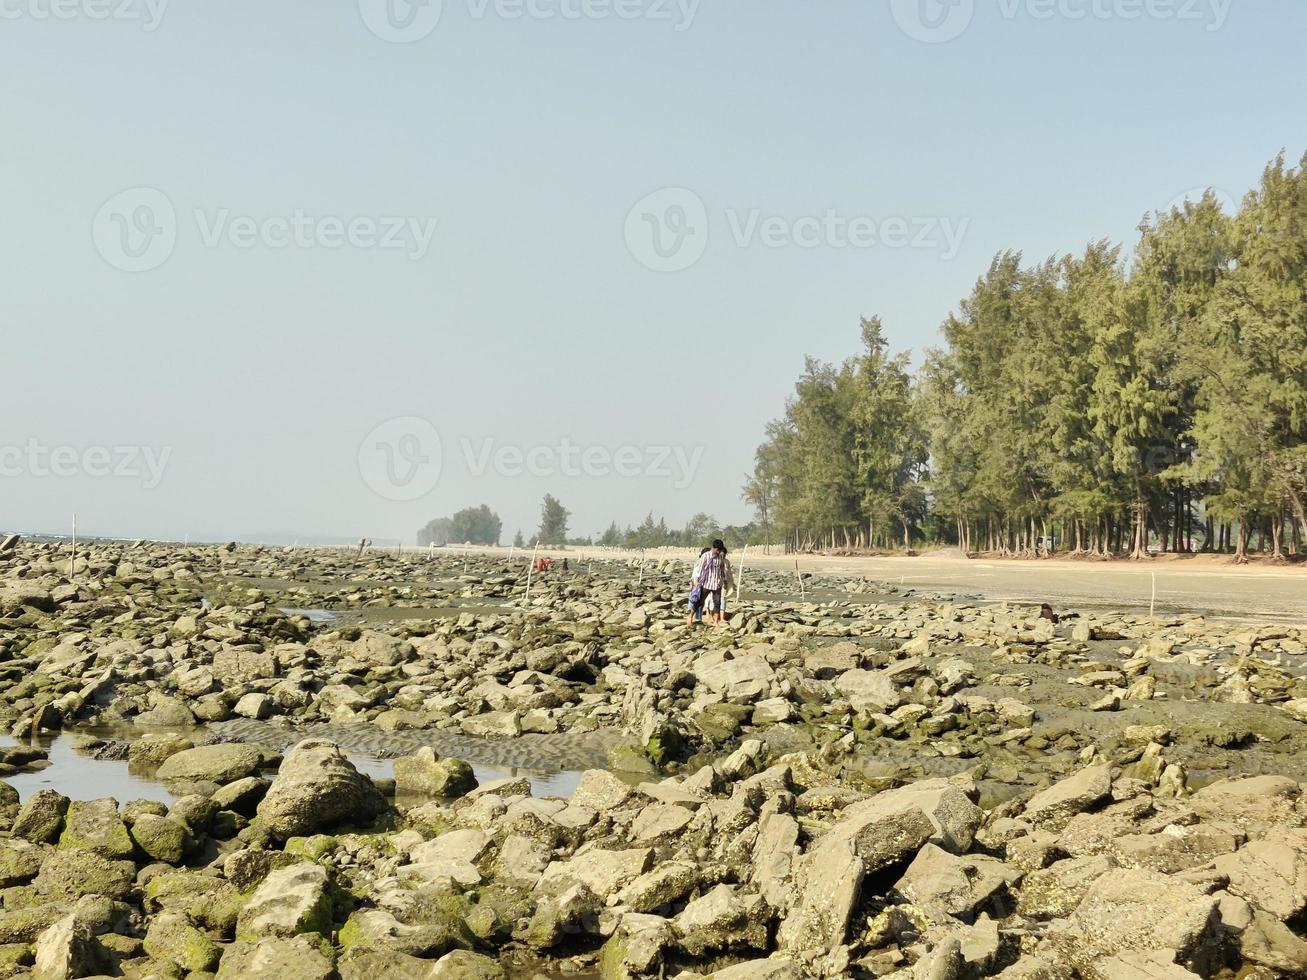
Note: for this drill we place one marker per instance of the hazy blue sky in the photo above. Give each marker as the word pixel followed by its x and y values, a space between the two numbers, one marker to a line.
pixel 258 360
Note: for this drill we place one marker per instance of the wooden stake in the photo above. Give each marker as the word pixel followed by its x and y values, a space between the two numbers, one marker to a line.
pixel 72 565
pixel 739 579
pixel 803 591
pixel 530 570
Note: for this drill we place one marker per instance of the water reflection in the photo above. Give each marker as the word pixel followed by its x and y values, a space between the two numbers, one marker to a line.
pixel 82 777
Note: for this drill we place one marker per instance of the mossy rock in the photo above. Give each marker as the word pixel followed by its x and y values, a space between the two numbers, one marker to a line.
pixel 209 902
pixel 160 838
pixel 171 938
pixel 96 826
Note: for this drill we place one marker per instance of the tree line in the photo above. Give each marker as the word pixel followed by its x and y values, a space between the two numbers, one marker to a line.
pixel 1098 403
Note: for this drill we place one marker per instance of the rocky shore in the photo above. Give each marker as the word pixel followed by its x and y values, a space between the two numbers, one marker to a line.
pixel 852 781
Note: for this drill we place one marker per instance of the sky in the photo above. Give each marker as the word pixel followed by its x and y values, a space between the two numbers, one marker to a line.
pixel 310 271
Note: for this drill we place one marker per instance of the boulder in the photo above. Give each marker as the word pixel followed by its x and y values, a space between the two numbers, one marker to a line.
pixel 318 788
pixel 147 753
pixel 1054 807
pixel 958 886
pixel 869 690
pixel 96 826
pixel 741 678
pixel 65 950
pixel 426 774
pixel 290 901
pixel 42 817
pixel 160 838
pixel 1270 873
pixel 299 958
pixel 171 938
pixel 1134 911
pixel 221 763
pixel 600 790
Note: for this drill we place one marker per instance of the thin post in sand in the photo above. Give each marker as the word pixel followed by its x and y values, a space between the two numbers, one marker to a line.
pixel 530 570
pixel 1152 605
pixel 739 579
pixel 72 564
pixel 803 591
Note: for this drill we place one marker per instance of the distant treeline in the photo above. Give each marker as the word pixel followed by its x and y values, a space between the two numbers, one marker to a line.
pixel 1103 405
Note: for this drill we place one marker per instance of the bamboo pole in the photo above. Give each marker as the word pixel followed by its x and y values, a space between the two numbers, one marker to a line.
pixel 739 579
pixel 530 570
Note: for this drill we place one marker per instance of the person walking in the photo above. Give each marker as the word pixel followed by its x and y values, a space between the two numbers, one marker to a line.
pixel 718 579
pixel 697 595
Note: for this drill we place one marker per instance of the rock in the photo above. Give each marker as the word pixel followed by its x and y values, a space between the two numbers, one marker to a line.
pixel 1270 943
pixel 437 933
pixel 317 788
pixel 256 706
pixel 1154 965
pixel 777 968
pixel 1271 873
pixel 290 901
pixel 773 711
pixel 463 964
pixel 165 712
pixel 20 862
pixel 285 959
pixel 160 838
pixel 602 872
pixel 493 724
pixel 636 947
pixel 222 763
pixel 172 939
pixel 950 811
pixel 1056 891
pixel 74 873
pixel 660 821
pixel 1128 910
pixel 723 918
pixel 147 753
pixel 1055 806
pixel 1252 806
pixel 833 873
pixel 358 963
pixel 42 817
pixel 740 678
pixel 956 885
pixel 657 889
pixel 96 826
pixel 242 796
pixel 426 774
pixel 869 690
pixel 66 950
pixel 600 790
